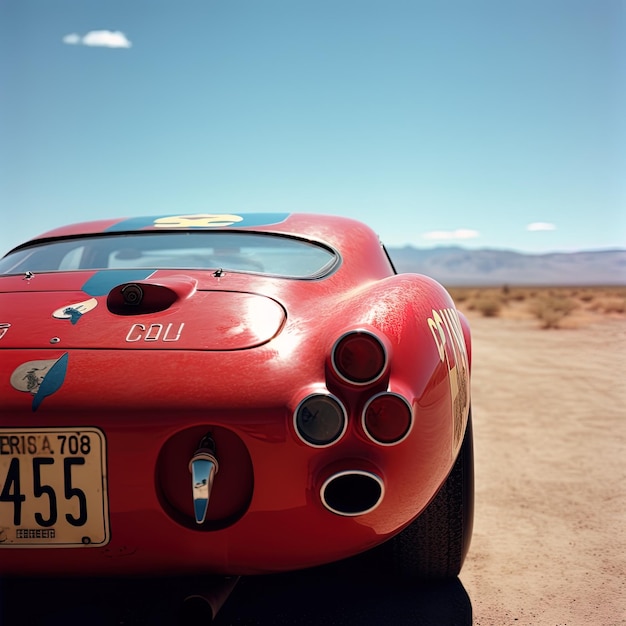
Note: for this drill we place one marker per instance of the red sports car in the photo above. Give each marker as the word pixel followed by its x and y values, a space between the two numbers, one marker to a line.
pixel 230 395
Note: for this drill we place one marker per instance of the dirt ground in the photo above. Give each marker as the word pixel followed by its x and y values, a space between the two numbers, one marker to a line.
pixel 549 406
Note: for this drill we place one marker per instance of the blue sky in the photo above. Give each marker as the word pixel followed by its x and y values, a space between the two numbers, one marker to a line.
pixel 493 124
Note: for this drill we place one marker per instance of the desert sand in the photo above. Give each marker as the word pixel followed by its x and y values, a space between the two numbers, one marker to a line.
pixel 549 408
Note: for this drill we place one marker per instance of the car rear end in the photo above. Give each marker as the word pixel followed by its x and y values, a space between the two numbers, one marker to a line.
pixel 215 421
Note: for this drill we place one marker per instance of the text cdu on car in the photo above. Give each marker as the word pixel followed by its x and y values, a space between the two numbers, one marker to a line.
pixel 229 394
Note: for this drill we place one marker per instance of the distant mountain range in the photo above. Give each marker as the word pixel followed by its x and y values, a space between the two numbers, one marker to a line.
pixel 456 266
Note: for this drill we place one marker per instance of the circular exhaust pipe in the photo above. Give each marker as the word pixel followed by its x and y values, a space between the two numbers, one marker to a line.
pixel 352 492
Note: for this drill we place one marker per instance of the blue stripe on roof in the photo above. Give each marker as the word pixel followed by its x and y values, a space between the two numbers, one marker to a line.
pixel 199 221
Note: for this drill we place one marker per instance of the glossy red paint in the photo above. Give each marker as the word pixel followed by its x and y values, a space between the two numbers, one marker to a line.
pixel 233 356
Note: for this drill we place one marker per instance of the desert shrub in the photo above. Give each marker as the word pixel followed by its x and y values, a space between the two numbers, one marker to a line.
pixel 459 297
pixel 609 305
pixel 518 295
pixel 459 294
pixel 512 294
pixel 488 306
pixel 615 305
pixel 551 309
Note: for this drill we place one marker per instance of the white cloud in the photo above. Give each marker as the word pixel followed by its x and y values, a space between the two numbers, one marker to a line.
pixel 538 226
pixel 99 38
pixel 459 233
pixel 72 39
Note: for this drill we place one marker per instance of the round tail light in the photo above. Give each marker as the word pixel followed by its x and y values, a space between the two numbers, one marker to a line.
pixel 320 419
pixel 387 418
pixel 359 357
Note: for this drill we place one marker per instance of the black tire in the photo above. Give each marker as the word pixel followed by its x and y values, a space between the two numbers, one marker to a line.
pixel 434 545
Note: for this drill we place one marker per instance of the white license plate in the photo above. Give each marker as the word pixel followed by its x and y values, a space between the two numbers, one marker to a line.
pixel 53 488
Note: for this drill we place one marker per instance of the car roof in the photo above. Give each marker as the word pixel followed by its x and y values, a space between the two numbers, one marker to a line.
pixel 330 229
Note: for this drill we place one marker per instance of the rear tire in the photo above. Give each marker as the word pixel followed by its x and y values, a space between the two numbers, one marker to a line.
pixel 435 544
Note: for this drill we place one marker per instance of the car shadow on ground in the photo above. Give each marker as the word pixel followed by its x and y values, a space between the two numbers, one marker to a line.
pixel 327 596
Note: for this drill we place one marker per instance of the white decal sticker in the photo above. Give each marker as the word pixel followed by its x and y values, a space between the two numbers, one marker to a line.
pixel 40 378
pixel 29 376
pixel 74 312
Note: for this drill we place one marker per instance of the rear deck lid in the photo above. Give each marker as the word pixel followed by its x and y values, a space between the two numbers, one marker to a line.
pixel 170 313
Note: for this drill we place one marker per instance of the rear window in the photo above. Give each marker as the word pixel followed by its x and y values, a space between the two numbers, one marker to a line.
pixel 241 252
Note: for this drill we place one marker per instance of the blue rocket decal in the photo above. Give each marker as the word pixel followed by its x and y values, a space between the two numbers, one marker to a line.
pixel 40 378
pixel 74 314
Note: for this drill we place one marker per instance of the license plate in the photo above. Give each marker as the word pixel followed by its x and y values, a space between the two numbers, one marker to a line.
pixel 53 488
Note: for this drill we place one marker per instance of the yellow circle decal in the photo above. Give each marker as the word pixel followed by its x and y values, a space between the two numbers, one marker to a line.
pixel 198 220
